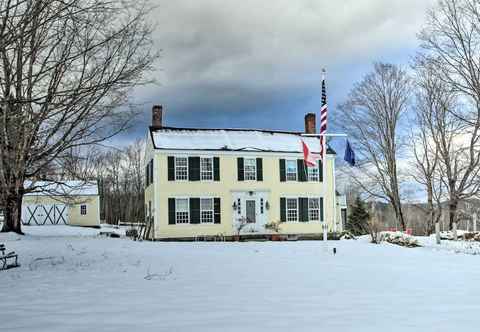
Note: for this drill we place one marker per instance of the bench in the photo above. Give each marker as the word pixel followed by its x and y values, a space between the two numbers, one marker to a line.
pixel 4 258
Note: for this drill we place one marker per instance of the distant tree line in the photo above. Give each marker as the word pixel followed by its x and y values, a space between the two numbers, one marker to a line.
pixel 120 175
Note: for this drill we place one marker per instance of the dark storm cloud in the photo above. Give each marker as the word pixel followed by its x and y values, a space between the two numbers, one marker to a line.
pixel 258 63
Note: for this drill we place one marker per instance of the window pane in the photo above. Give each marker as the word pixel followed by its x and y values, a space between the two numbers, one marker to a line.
pixel 206 217
pixel 182 218
pixel 182 204
pixel 182 213
pixel 206 166
pixel 206 204
pixel 313 203
pixel 313 174
pixel 291 170
pixel 250 168
pixel 206 210
pixel 314 209
pixel 291 203
pixel 181 168
pixel 291 166
pixel 292 212
pixel 250 162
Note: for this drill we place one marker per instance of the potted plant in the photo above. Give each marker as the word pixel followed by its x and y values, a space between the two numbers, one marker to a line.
pixel 274 226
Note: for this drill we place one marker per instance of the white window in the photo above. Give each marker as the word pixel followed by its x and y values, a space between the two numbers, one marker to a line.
pixel 291 170
pixel 181 168
pixel 83 210
pixel 206 210
pixel 314 209
pixel 250 168
pixel 206 168
pixel 313 174
pixel 182 215
pixel 292 209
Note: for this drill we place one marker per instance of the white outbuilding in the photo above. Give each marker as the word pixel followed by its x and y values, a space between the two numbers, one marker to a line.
pixel 68 202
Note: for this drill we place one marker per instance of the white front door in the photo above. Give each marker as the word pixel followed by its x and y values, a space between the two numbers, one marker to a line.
pixel 251 213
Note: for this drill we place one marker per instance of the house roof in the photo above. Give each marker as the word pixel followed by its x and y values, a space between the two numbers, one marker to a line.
pixel 228 139
pixel 62 188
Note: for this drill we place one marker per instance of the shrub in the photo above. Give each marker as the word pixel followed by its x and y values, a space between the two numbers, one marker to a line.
pixel 357 222
pixel 273 226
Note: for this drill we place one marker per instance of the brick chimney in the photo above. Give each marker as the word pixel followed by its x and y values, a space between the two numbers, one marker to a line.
pixel 310 126
pixel 157 112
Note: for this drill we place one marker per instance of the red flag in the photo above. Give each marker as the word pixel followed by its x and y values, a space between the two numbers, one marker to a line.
pixel 309 158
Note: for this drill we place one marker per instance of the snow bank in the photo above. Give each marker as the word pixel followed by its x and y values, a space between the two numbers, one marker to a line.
pixel 400 239
pixel 457 247
pixel 83 282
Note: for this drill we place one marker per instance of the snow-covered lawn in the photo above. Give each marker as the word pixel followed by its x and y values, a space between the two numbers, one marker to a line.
pixel 73 280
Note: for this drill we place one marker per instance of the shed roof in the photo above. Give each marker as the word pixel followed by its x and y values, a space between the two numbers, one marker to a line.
pixel 61 188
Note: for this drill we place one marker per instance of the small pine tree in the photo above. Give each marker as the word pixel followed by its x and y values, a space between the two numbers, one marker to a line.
pixel 357 222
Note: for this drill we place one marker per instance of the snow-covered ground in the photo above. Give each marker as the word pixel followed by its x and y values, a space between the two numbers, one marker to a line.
pixel 73 280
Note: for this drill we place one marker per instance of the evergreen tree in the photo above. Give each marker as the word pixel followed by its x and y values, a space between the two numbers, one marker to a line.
pixel 358 218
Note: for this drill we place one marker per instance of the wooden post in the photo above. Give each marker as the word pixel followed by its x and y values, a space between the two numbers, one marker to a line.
pixel 437 232
pixel 455 231
pixel 325 234
pixel 474 217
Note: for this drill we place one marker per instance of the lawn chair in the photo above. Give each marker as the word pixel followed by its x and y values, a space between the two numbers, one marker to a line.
pixel 5 258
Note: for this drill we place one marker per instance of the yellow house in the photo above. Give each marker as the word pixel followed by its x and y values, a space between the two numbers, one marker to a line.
pixel 207 182
pixel 69 202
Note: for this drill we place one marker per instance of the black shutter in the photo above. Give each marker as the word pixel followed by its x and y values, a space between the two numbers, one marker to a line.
pixel 216 210
pixel 216 169
pixel 194 210
pixel 283 209
pixel 171 169
pixel 303 209
pixel 283 176
pixel 146 176
pixel 321 208
pixel 301 171
pixel 320 171
pixel 151 171
pixel 259 169
pixel 171 211
pixel 241 173
pixel 194 168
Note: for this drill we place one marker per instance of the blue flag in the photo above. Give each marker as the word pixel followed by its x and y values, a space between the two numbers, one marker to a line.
pixel 349 154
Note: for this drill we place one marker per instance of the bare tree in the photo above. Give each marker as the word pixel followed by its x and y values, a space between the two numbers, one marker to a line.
pixel 121 176
pixel 66 70
pixel 372 115
pixel 136 173
pixel 431 98
pixel 451 44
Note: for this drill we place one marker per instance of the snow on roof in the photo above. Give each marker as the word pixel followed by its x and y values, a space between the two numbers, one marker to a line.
pixel 62 188
pixel 169 138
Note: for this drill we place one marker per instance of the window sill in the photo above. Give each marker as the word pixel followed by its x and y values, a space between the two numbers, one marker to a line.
pixel 201 224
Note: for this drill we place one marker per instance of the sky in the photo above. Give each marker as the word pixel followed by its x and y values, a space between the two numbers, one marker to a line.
pixel 257 64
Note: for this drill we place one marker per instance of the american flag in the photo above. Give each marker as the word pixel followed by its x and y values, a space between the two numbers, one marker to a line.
pixel 323 116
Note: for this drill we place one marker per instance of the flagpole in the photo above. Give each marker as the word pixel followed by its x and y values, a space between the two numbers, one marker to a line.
pixel 323 139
